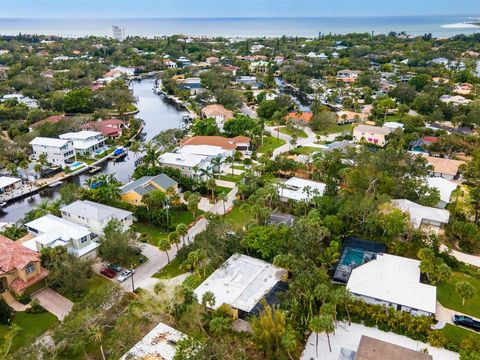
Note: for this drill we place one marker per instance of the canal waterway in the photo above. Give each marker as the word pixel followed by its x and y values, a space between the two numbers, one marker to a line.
pixel 158 114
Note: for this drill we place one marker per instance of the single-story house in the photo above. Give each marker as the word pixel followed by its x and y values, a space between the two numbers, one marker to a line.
pixel 445 168
pixel 445 188
pixel 392 125
pixel 428 218
pixel 236 143
pixel 159 343
pixel 393 281
pixel 8 183
pixel 374 349
pixel 372 134
pixel 50 231
pixel 134 191
pixel 95 216
pixel 298 189
pixel 20 268
pixel 242 282
pixel 188 164
pixel 304 117
pixel 349 117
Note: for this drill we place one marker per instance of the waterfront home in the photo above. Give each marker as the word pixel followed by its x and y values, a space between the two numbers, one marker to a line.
pixel 259 67
pixel 298 189
pixel 188 164
pixel 217 112
pixel 241 283
pixel 20 268
pixel 58 152
pixel 85 142
pixel 423 217
pixel 9 183
pixel 50 231
pixel 193 84
pixel 134 191
pixel 444 187
pixel 445 168
pixel 250 81
pixel 159 343
pixel 236 143
pixel 372 134
pixel 110 128
pixel 301 117
pixel 393 281
pixel 95 216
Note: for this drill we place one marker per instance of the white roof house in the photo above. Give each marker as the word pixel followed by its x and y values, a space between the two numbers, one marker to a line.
pixel 94 215
pixel 160 343
pixel 207 150
pixel 188 160
pixel 84 140
pixel 422 215
pixel 52 231
pixel 445 187
pixel 50 142
pixel 8 181
pixel 395 280
pixel 298 189
pixel 241 282
pixel 392 125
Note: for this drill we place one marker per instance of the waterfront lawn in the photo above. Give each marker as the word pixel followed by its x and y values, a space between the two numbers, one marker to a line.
pixel 31 325
pixel 288 131
pixel 448 297
pixel 456 335
pixel 270 143
pixel 170 270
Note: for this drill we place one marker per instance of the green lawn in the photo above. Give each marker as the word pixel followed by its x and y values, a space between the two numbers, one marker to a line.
pixel 305 150
pixel 299 132
pixel 239 167
pixel 222 189
pixel 230 177
pixel 455 334
pixel 92 284
pixel 32 325
pixel 448 297
pixel 238 217
pixel 170 271
pixel 335 128
pixel 270 143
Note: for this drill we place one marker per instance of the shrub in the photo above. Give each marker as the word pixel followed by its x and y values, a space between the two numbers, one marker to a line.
pixel 6 312
pixel 35 308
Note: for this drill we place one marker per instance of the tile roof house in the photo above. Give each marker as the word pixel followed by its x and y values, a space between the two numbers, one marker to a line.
pixel 445 168
pixel 374 349
pixel 236 143
pixel 111 128
pixel 53 119
pixel 393 281
pixel 303 116
pixel 218 112
pixel 20 269
pixel 95 216
pixel 134 191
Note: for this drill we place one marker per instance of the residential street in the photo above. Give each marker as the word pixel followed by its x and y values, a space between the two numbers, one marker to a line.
pixel 466 258
pixel 158 259
pixel 308 141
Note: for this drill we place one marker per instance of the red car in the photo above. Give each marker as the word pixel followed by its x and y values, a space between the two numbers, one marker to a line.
pixel 108 273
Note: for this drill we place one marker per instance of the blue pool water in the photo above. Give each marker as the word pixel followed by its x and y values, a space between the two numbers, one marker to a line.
pixel 76 164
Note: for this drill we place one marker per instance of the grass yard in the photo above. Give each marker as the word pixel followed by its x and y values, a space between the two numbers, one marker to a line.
pixel 221 189
pixel 305 150
pixel 455 335
pixel 299 132
pixel 32 326
pixel 448 297
pixel 335 128
pixel 238 217
pixel 270 143
pixel 170 271
pixel 239 167
pixel 230 177
pixel 94 283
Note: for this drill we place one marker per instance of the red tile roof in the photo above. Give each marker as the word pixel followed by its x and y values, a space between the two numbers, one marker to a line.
pixel 13 255
pixel 430 139
pixel 304 116
pixel 223 142
pixel 19 285
pixel 50 120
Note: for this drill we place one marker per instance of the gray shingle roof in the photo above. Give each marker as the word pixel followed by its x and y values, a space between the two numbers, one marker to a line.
pixel 161 180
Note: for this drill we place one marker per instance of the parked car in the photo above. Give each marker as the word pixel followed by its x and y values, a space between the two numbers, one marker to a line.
pixel 125 275
pixel 108 272
pixel 466 321
pixel 115 267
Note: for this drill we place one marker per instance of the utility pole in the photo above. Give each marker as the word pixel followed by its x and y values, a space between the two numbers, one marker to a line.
pixel 133 284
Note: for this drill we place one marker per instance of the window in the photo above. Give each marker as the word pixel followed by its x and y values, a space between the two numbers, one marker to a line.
pixel 83 240
pixel 30 268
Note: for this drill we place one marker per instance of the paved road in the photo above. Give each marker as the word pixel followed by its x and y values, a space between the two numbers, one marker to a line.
pixel 158 259
pixel 54 302
pixel 308 141
pixel 466 258
pixel 445 315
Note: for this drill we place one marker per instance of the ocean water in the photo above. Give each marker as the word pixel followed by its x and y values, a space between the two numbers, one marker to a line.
pixel 239 27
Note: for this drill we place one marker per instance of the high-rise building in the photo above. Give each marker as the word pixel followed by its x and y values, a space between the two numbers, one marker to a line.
pixel 118 33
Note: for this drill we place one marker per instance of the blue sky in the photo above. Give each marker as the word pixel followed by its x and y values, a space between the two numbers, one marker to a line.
pixel 230 8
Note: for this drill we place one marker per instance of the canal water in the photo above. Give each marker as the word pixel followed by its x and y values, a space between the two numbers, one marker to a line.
pixel 158 114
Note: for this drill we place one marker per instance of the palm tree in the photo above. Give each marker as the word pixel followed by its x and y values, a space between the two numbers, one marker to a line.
pixel 136 148
pixel 465 290
pixel 322 323
pixel 211 186
pixel 12 168
pixel 174 238
pixel 164 245
pixel 223 196
pixel 206 173
pixel 216 163
pixel 208 299
pixel 195 171
pixel 182 230
pixel 231 160
pixel 159 288
pixel 151 154
pixel 24 165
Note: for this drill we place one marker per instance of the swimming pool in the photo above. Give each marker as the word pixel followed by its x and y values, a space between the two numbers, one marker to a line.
pixel 75 165
pixel 100 151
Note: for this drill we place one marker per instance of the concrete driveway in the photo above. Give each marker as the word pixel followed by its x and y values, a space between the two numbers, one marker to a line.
pixel 54 302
